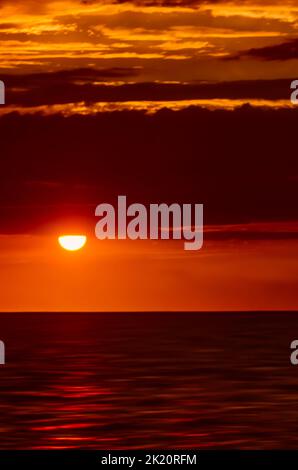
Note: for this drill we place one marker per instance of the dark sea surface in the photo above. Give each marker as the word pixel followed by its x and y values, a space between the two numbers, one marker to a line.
pixel 148 380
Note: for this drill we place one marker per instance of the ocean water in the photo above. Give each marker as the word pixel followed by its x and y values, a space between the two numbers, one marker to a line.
pixel 148 380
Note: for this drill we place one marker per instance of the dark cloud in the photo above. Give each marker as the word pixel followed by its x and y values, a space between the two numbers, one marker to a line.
pixel 7 25
pixel 38 5
pixel 286 51
pixel 167 3
pixel 69 76
pixel 240 164
pixel 79 85
pixel 192 3
pixel 237 233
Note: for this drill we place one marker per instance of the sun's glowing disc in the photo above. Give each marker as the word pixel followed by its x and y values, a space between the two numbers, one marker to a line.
pixel 72 242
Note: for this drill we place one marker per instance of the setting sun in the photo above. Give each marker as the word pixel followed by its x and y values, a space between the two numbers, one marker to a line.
pixel 72 242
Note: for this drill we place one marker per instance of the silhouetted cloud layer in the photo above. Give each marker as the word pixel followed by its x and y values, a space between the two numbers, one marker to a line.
pixel 240 164
pixel 285 51
pixel 90 86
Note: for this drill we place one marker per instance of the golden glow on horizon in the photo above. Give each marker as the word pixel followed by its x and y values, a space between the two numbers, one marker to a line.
pixel 72 242
pixel 125 275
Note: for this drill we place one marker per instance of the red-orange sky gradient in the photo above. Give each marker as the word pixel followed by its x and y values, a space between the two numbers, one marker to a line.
pixel 183 101
pixel 37 274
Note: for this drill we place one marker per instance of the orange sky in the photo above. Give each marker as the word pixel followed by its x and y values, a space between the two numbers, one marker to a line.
pixel 36 274
pixel 138 42
pixel 175 40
